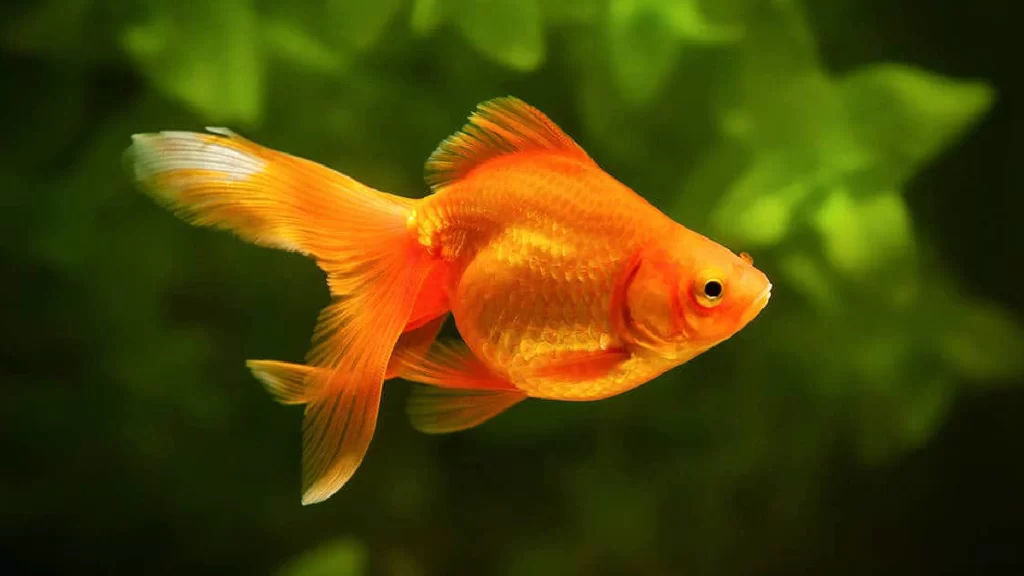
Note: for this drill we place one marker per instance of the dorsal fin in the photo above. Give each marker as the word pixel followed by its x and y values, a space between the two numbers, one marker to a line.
pixel 497 127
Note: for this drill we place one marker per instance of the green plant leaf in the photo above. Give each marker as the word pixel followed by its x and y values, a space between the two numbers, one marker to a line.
pixel 358 26
pixel 787 113
pixel 645 38
pixel 598 102
pixel 509 32
pixel 571 11
pixel 426 16
pixel 295 45
pixel 863 233
pixel 688 21
pixel 757 209
pixel 808 276
pixel 780 98
pixel 643 48
pixel 906 115
pixel 929 404
pixel 900 418
pixel 210 61
pixel 702 188
pixel 338 557
pixel 983 342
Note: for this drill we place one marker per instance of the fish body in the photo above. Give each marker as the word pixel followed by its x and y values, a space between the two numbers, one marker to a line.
pixel 537 247
pixel 534 273
pixel 563 282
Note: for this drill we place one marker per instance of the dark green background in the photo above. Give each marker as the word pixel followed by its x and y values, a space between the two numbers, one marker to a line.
pixel 865 152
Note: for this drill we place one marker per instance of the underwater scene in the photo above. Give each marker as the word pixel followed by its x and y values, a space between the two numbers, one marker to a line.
pixel 511 287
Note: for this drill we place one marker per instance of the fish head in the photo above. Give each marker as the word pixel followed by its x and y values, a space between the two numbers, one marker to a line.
pixel 693 297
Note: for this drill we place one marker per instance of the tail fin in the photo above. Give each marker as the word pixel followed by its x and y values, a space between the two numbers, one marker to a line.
pixel 267 197
pixel 357 235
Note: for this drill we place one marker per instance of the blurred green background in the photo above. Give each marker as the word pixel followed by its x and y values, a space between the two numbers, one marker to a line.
pixel 870 420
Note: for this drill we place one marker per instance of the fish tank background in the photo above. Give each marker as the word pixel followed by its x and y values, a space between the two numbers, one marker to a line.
pixel 864 152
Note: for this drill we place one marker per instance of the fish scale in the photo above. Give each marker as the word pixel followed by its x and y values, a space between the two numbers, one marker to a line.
pixel 535 279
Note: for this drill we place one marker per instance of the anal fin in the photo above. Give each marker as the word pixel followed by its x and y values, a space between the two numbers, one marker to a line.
pixel 460 393
pixel 436 410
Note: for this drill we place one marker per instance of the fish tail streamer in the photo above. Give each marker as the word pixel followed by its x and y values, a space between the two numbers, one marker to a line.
pixel 376 272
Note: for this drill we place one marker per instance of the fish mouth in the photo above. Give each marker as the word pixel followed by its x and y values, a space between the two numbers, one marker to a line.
pixel 758 304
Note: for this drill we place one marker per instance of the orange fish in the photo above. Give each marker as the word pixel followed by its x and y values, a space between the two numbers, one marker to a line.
pixel 563 283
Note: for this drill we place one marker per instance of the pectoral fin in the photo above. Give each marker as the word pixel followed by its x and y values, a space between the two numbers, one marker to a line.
pixel 582 366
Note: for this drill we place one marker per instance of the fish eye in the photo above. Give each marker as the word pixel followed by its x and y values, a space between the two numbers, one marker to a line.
pixel 708 289
pixel 713 290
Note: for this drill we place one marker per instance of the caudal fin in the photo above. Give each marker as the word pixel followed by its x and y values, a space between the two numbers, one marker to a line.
pixel 336 429
pixel 358 236
pixel 265 196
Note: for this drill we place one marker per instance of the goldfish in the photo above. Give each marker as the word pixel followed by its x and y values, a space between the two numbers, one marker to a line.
pixel 563 283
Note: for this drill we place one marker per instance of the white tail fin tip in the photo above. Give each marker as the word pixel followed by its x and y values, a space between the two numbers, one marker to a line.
pixel 164 152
